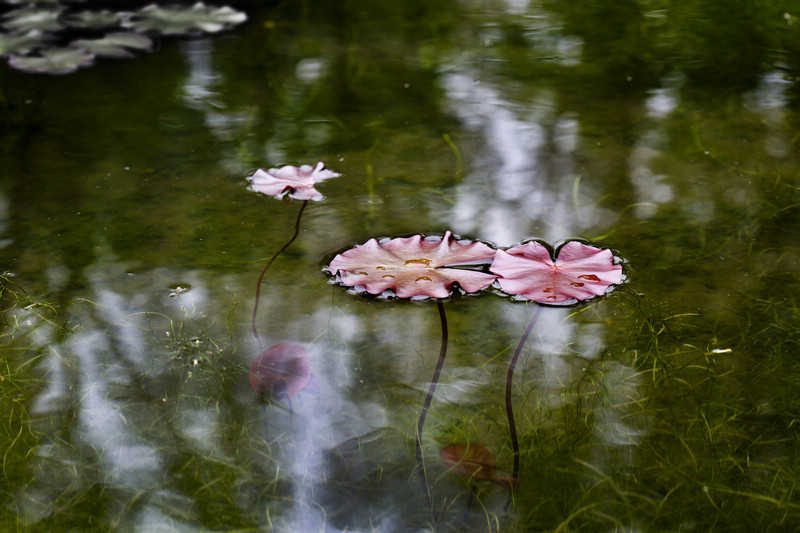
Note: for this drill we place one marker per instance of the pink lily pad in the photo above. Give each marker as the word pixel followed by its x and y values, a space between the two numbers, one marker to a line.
pixel 477 462
pixel 294 182
pixel 414 266
pixel 284 368
pixel 578 273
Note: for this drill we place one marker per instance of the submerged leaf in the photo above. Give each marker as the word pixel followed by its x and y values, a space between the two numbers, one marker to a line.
pixel 580 272
pixel 283 369
pixel 180 20
pixel 414 266
pixel 475 461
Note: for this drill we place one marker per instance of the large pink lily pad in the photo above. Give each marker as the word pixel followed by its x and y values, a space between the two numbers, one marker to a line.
pixel 282 369
pixel 296 182
pixel 579 272
pixel 414 266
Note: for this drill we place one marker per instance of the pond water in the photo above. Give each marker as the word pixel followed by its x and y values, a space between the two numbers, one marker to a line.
pixel 130 247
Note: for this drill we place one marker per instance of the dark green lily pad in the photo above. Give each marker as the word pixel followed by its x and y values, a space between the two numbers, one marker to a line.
pixel 95 19
pixel 117 44
pixel 53 61
pixel 28 2
pixel 31 31
pixel 22 43
pixel 42 17
pixel 181 20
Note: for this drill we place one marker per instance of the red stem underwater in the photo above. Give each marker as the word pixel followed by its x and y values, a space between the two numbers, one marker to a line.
pixel 429 399
pixel 512 426
pixel 269 263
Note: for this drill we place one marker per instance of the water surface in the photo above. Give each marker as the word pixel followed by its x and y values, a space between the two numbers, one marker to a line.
pixel 131 248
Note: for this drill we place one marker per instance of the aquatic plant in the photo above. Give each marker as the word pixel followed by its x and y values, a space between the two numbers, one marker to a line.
pixel 282 370
pixel 572 273
pixel 57 38
pixel 416 267
pixel 286 183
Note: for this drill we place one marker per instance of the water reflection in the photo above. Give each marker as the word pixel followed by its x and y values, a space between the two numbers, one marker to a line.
pixel 143 390
pixel 508 173
pixel 562 126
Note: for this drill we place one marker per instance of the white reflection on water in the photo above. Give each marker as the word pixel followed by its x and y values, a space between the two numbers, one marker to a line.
pixel 200 93
pixel 126 459
pixel 507 173
pixel 651 188
pixel 96 432
pixel 770 93
pixel 523 181
pixel 662 102
pixel 121 409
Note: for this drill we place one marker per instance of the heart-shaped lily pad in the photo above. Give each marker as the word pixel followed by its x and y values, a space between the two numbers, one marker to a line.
pixel 578 273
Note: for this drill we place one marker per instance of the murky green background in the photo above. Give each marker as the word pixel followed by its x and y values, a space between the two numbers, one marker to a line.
pixel 668 131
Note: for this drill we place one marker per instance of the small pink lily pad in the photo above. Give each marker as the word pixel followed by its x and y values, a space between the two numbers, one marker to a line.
pixel 414 266
pixel 284 368
pixel 578 273
pixel 294 182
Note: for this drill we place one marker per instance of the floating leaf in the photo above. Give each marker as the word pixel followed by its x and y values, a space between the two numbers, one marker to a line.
pixel 53 61
pixel 283 369
pixel 95 19
pixel 414 266
pixel 22 43
pixel 41 17
pixel 296 182
pixel 27 2
pixel 477 462
pixel 180 20
pixel 580 272
pixel 118 44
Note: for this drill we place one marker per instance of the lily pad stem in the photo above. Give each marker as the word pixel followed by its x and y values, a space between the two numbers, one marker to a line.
pixel 269 263
pixel 429 398
pixel 512 426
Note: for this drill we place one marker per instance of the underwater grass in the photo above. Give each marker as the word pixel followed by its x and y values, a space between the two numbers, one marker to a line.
pixel 192 368
pixel 658 433
pixel 21 317
pixel 685 419
pixel 705 451
pixel 702 447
